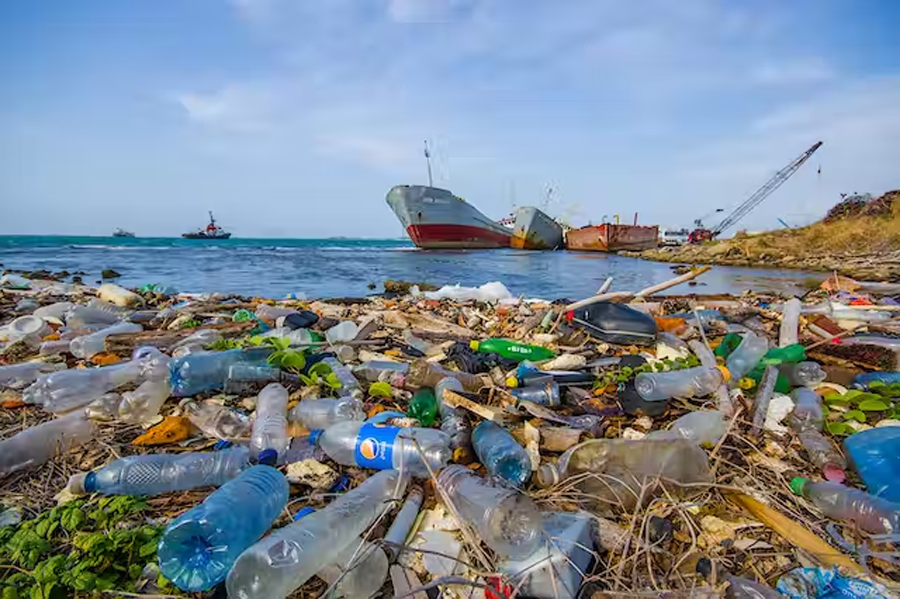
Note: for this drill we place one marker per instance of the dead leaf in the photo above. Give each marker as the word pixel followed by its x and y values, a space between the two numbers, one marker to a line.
pixel 171 430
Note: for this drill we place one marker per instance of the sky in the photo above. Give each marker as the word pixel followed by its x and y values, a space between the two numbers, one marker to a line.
pixel 293 118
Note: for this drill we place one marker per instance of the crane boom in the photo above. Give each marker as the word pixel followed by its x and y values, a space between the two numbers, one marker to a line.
pixel 763 192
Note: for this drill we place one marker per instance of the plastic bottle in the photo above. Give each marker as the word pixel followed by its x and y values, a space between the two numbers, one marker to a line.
pixel 543 391
pixel 784 355
pixel 747 355
pixel 790 323
pixel 803 374
pixel 396 535
pixel 196 342
pixel 206 371
pixel 270 424
pixel 345 376
pixel 620 466
pixel 144 403
pixel 295 337
pixel 423 406
pixel 764 393
pixel 77 317
pixel 840 312
pixel 454 421
pixel 38 444
pixel 506 519
pixel 384 448
pixel 879 340
pixel 271 313
pixel 377 371
pixel 501 454
pixel 29 329
pixel 16 376
pixel 807 421
pixel 870 513
pixel 216 421
pixel 512 350
pixel 106 407
pixel 423 373
pixel 342 332
pixel 319 414
pixel 199 547
pixel 691 382
pixel 154 474
pixel 54 348
pixel 864 380
pixel 875 453
pixel 526 374
pixel 280 563
pixel 56 310
pixel 703 427
pixel 119 296
pixel 244 377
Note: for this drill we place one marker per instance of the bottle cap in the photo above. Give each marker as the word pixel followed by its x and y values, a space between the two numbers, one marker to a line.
pixel 474 345
pixel 547 476
pixel 79 485
pixel 267 457
pixel 798 484
pixel 512 382
pixel 314 436
pixel 726 374
pixel 304 512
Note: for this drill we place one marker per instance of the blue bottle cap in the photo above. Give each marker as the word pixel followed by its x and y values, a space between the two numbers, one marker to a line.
pixel 267 457
pixel 221 444
pixel 314 436
pixel 90 482
pixel 304 512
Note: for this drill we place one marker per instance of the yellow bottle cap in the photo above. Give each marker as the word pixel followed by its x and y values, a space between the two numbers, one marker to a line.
pixel 512 382
pixel 474 345
pixel 726 374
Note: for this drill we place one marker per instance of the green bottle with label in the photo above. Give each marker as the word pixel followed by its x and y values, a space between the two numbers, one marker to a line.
pixel 512 350
pixel 423 406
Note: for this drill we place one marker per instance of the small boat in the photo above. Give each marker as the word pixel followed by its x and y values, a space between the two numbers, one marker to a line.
pixel 212 231
pixel 122 233
pixel 436 219
pixel 535 230
pixel 610 237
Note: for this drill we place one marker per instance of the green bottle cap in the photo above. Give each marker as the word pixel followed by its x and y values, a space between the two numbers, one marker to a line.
pixel 474 345
pixel 798 484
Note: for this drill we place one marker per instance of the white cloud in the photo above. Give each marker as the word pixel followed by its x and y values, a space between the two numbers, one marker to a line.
pixel 232 108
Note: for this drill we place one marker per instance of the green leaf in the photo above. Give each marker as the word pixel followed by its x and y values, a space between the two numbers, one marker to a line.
pixel 9 593
pixel 148 549
pixel 134 571
pixel 873 405
pixel 877 385
pixel 85 581
pixel 319 369
pixel 838 404
pixel 72 520
pixel 830 397
pixel 838 428
pixel 855 415
pixel 332 381
pixel 852 393
pixel 381 389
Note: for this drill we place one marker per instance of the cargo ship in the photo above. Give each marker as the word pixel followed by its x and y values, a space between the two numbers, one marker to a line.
pixel 435 218
pixel 535 230
pixel 610 237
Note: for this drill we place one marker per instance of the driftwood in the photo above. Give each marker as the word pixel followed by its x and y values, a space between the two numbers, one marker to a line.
pixel 623 295
pixel 128 342
pixel 455 400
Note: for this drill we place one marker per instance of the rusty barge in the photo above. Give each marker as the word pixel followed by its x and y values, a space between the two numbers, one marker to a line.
pixel 613 237
pixel 533 229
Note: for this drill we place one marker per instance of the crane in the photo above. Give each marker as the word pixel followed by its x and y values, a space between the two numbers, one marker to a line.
pixel 700 234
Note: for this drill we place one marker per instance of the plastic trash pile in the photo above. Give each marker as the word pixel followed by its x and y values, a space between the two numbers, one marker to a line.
pixel 459 441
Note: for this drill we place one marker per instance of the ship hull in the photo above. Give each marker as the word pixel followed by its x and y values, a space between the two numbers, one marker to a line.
pixel 612 238
pixel 202 236
pixel 436 219
pixel 534 230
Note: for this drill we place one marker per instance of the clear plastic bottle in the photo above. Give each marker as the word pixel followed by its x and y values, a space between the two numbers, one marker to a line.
pixel 54 348
pixel 271 313
pixel 216 421
pixel 764 392
pixel 196 342
pixel 703 427
pixel 342 332
pixel 106 407
pixel 16 376
pixel 691 382
pixel 144 403
pixel 270 424
pixel 244 377
pixel 56 310
pixel 501 454
pixel 69 389
pixel 790 323
pixel 454 421
pixel 506 519
pixel 807 421
pixel 747 355
pixel 345 376
pixel 620 466
pixel 319 414
pixel 423 373
pixel 296 337
pixel 199 547
pixel 870 513
pixel 77 317
pixel 280 563
pixel 388 372
pixel 154 474
pixel 207 371
pixel 38 444
pixel 803 374
pixel 384 447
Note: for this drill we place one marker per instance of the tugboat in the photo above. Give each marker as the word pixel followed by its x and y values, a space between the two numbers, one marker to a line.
pixel 122 233
pixel 212 231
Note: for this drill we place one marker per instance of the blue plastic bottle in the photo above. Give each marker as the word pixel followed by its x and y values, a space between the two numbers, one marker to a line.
pixel 206 371
pixel 500 453
pixel 865 379
pixel 875 453
pixel 199 547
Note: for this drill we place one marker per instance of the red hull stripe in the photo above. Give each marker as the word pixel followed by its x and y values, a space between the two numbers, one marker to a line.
pixel 456 236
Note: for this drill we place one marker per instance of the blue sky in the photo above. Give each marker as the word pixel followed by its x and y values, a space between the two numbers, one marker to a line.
pixel 292 118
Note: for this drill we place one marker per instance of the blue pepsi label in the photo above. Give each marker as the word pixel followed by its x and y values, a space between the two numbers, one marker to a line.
pixel 375 446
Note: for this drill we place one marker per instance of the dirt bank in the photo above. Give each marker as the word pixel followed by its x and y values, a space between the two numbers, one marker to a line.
pixel 857 242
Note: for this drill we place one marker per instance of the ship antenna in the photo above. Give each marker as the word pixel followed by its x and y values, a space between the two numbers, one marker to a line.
pixel 212 221
pixel 428 162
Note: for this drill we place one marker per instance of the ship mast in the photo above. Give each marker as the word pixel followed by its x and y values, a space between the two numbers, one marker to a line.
pixel 428 162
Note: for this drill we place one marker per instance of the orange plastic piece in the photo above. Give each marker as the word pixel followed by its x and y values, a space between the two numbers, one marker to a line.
pixel 105 359
pixel 50 337
pixel 171 430
pixel 433 303
pixel 11 404
pixel 669 324
pixel 839 283
pixel 376 410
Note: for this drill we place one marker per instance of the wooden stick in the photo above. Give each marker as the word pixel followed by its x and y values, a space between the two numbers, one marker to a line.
pixel 605 286
pixel 455 400
pixel 643 292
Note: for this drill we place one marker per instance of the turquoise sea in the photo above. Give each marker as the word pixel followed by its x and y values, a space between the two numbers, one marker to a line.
pixel 346 267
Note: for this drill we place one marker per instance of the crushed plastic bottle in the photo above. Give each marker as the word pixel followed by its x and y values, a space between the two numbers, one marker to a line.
pixel 621 465
pixel 280 563
pixel 342 332
pixel 807 421
pixel 423 406
pixel 872 514
pixel 78 317
pixel 821 583
pixel 384 448
pixel 501 454
pixel 144 403
pixel 89 345
pixel 154 474
pixel 38 444
pixel 803 374
pixel 388 372
pixel 512 350
pixel 505 519
pixel 790 323
pixel 272 313
pixel 874 454
pixel 763 398
pixel 244 377
pixel 454 421
pixel 703 427
pixel 423 373
pixel 206 371
pixel 270 424
pixel 315 414
pixel 16 376
pixel 216 421
pixel 691 382
pixel 543 391
pixel 198 548
pixel 747 355
pixel 350 386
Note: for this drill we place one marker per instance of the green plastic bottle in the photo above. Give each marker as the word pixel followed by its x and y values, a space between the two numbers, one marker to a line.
pixel 423 406
pixel 785 355
pixel 512 349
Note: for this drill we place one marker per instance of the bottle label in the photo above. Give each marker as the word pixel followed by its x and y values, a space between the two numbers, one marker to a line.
pixel 375 446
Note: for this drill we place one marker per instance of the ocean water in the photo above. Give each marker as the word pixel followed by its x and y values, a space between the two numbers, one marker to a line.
pixel 345 267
